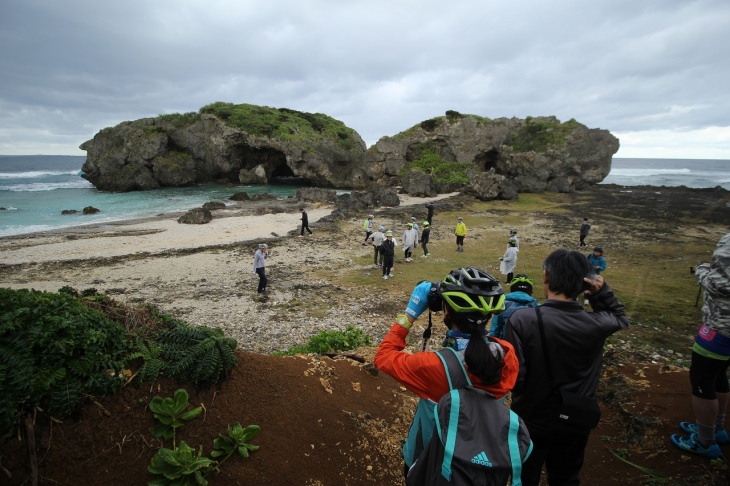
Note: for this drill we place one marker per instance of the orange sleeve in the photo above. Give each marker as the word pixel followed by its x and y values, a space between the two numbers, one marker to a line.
pixel 424 374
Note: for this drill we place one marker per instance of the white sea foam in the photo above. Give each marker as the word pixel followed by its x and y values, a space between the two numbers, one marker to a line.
pixel 48 186
pixel 648 172
pixel 36 173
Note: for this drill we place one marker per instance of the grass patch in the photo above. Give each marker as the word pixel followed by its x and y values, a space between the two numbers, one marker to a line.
pixel 283 123
pixel 181 120
pixel 431 163
pixel 330 341
pixel 538 136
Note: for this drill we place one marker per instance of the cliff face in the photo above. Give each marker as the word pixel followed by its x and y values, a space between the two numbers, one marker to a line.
pixel 531 155
pixel 258 145
pixel 181 150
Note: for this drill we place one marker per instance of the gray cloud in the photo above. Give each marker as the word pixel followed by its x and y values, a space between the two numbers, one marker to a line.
pixel 71 68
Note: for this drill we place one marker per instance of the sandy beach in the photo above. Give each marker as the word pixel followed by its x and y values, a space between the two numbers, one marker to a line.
pixel 204 273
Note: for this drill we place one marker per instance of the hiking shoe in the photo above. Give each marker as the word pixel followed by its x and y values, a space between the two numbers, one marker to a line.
pixel 385 277
pixel 310 234
pixel 301 236
pixel 721 436
pixel 690 444
pixel 391 275
pixel 424 256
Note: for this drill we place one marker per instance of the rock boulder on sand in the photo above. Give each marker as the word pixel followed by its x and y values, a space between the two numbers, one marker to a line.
pixel 196 216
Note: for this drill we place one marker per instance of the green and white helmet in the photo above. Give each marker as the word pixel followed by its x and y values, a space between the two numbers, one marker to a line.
pixel 471 290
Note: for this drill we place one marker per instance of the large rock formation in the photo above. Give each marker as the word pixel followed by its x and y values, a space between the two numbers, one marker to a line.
pixel 224 143
pixel 532 155
pixel 259 145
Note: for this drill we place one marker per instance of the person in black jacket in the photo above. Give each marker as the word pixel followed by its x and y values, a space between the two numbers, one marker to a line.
pixel 574 340
pixel 305 222
pixel 388 250
pixel 429 207
pixel 424 238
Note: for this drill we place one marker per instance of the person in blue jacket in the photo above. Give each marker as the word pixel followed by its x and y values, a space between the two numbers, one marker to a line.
pixel 520 296
pixel 597 260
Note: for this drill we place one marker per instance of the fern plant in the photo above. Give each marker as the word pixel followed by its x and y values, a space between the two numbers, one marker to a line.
pixel 53 349
pixel 199 354
pixel 152 362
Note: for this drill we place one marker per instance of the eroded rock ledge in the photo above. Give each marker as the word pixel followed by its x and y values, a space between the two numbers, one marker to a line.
pixel 247 144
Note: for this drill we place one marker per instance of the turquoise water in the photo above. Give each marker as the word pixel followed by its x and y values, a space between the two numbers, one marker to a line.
pixel 35 189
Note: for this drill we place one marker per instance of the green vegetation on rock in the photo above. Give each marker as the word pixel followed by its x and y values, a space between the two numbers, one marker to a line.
pixel 283 123
pixel 430 162
pixel 538 136
pixel 181 120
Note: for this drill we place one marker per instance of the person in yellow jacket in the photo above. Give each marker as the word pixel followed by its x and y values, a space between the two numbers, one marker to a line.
pixel 460 234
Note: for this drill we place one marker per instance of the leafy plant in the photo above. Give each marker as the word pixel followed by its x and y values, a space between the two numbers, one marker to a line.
pixel 236 440
pixel 431 163
pixel 200 354
pixel 150 352
pixel 170 411
pixel 538 136
pixel 179 466
pixel 330 341
pixel 53 349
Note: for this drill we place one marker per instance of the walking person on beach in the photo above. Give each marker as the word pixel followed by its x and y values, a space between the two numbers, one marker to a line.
pixel 460 233
pixel 388 249
pixel 585 227
pixel 509 260
pixel 424 238
pixel 560 347
pixel 710 360
pixel 259 266
pixel 305 222
pixel 378 238
pixel 429 208
pixel 410 238
pixel 368 225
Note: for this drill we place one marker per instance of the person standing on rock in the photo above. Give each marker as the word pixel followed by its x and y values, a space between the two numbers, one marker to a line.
pixel 585 227
pixel 710 360
pixel 509 260
pixel 368 225
pixel 429 208
pixel 388 249
pixel 305 222
pixel 460 233
pixel 410 237
pixel 560 347
pixel 378 238
pixel 259 266
pixel 424 238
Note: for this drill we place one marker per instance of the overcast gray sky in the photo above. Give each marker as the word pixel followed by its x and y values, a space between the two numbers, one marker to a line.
pixel 653 72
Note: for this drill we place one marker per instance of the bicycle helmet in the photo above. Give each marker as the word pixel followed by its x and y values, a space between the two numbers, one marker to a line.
pixel 521 283
pixel 389 233
pixel 409 224
pixel 513 232
pixel 426 223
pixel 470 290
pixel 380 228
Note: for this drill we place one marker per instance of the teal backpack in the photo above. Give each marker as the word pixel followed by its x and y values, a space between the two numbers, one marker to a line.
pixel 469 437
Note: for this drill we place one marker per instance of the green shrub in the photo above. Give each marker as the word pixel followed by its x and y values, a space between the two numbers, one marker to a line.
pixel 283 123
pixel 53 349
pixel 183 120
pixel 198 354
pixel 538 136
pixel 330 341
pixel 431 163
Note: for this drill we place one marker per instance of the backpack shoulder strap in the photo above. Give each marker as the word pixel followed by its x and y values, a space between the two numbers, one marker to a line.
pixel 455 371
pixel 514 449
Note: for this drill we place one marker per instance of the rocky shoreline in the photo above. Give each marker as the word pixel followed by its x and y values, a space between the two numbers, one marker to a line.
pixel 203 273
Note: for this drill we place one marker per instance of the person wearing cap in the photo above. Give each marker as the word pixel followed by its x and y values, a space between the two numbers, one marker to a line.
pixel 597 260
pixel 424 238
pixel 388 249
pixel 509 260
pixel 520 296
pixel 305 222
pixel 460 233
pixel 259 266
pixel 410 238
pixel 368 225
pixel 378 238
pixel 513 236
pixel 415 227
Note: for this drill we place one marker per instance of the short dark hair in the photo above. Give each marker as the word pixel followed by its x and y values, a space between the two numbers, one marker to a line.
pixel 566 270
pixel 585 219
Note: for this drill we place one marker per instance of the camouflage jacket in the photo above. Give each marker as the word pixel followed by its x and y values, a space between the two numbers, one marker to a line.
pixel 715 279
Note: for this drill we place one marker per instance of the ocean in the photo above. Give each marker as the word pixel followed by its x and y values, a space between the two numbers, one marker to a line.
pixel 34 189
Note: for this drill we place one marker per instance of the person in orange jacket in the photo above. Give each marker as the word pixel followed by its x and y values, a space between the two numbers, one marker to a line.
pixel 468 298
